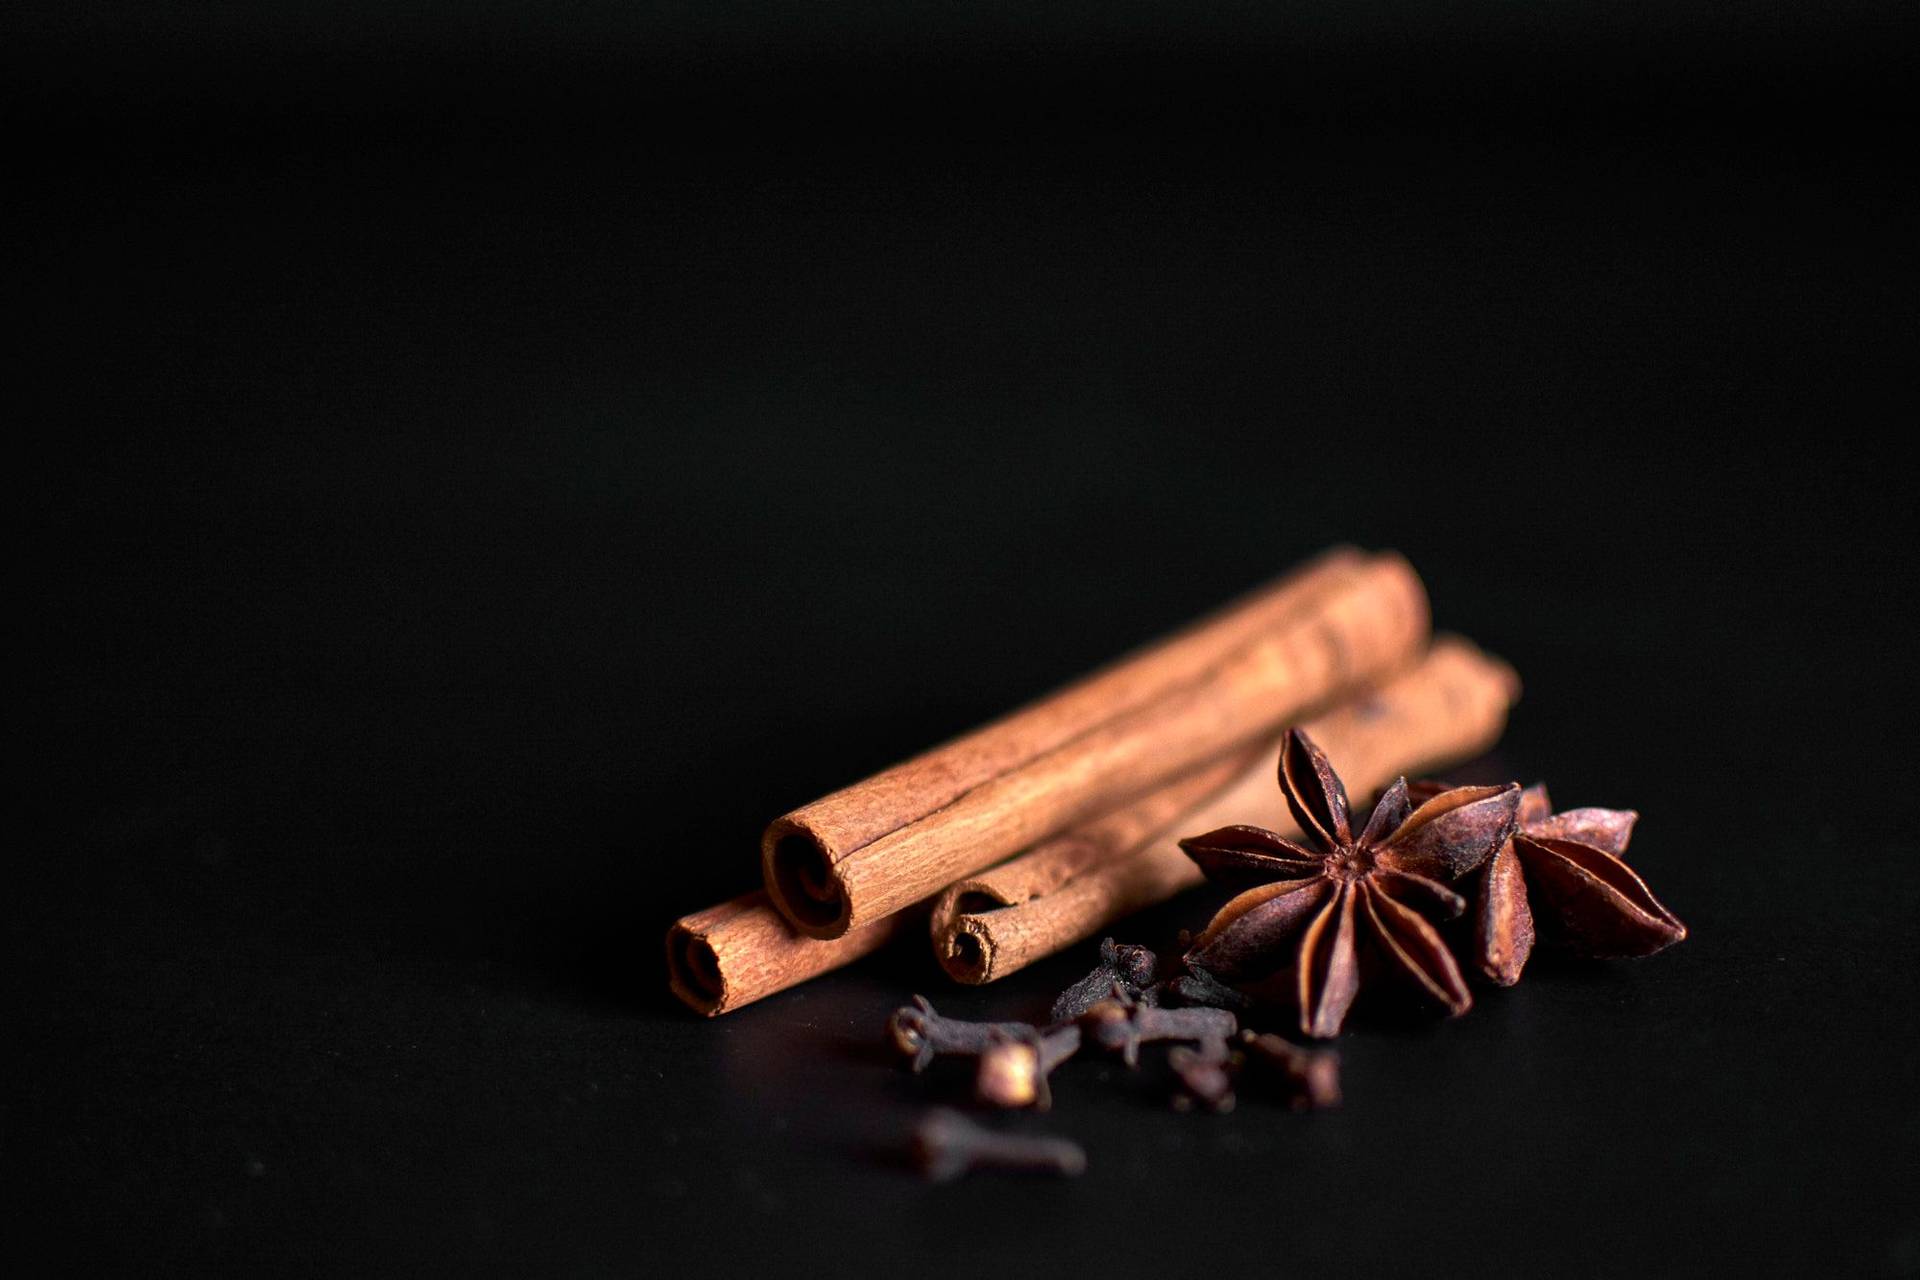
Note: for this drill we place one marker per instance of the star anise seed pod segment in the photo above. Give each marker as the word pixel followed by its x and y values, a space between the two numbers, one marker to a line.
pixel 1566 867
pixel 1313 914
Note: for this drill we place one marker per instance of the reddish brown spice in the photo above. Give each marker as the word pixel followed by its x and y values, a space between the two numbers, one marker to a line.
pixel 1123 967
pixel 1206 1076
pixel 1565 871
pixel 1121 1025
pixel 1311 912
pixel 921 1035
pixel 947 1145
pixel 1014 1068
pixel 1309 1078
pixel 902 836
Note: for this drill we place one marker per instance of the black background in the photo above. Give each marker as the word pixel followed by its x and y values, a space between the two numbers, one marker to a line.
pixel 489 461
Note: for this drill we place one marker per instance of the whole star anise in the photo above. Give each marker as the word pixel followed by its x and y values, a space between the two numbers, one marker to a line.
pixel 1567 868
pixel 1314 916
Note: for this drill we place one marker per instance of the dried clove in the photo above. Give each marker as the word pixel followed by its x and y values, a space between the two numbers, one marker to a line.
pixel 1124 965
pixel 1121 1024
pixel 1014 1069
pixel 1198 987
pixel 947 1145
pixel 1311 1076
pixel 922 1035
pixel 1206 1075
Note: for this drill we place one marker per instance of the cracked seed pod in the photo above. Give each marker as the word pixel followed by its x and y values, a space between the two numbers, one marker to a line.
pixel 1563 877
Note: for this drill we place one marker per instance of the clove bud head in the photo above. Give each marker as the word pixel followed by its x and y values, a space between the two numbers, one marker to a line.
pixel 1009 1074
pixel 907 1027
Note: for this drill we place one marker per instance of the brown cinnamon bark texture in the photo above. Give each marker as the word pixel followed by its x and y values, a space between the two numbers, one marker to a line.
pixel 743 950
pixel 1449 708
pixel 1342 624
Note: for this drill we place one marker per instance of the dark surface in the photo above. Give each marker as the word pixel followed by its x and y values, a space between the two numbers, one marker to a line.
pixel 493 464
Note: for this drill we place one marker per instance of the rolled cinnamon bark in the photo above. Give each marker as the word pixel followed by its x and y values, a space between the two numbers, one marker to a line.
pixel 743 950
pixel 860 854
pixel 1451 707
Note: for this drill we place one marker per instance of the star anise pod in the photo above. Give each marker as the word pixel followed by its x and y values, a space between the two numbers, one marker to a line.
pixel 1567 868
pixel 1315 915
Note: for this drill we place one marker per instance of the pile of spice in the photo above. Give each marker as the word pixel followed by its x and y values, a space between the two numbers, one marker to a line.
pixel 1119 1007
pixel 1439 881
pixel 1039 830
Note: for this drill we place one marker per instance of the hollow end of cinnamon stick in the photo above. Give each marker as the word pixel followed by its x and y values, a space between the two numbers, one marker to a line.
pixel 964 948
pixel 968 957
pixel 693 970
pixel 742 950
pixel 800 879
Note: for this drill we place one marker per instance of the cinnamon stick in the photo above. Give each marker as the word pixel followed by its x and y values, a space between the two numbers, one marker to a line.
pixel 744 950
pixel 798 847
pixel 1449 708
pixel 860 854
